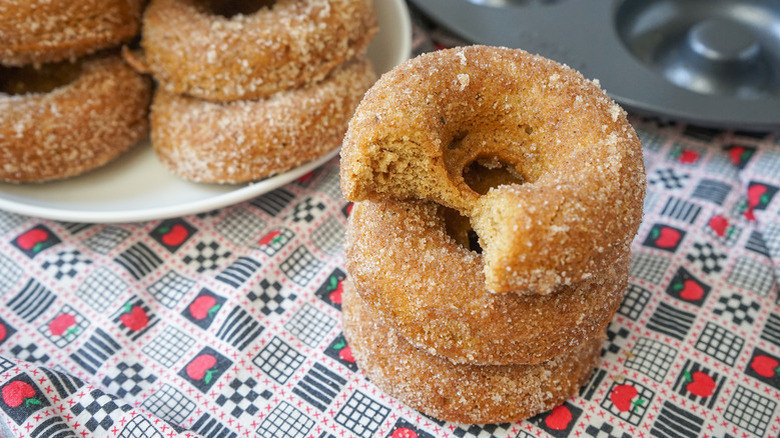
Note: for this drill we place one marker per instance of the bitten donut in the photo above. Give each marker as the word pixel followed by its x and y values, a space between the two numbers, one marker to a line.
pixel 64 119
pixel 461 393
pixel 576 200
pixel 197 47
pixel 410 270
pixel 37 32
pixel 230 142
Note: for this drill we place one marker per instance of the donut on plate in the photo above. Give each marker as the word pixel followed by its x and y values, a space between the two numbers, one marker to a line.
pixel 63 119
pixel 231 142
pixel 410 270
pixel 37 32
pixel 205 49
pixel 461 393
pixel 576 200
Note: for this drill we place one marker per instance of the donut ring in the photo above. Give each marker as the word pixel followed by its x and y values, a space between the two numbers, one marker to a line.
pixel 579 202
pixel 431 289
pixel 191 50
pixel 37 32
pixel 461 393
pixel 74 127
pixel 230 142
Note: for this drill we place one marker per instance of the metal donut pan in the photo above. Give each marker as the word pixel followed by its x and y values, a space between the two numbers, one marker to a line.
pixel 711 63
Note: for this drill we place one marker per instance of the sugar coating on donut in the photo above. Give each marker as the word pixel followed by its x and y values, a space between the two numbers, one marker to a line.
pixel 579 160
pixel 429 288
pixel 194 51
pixel 247 140
pixel 460 393
pixel 55 30
pixel 74 127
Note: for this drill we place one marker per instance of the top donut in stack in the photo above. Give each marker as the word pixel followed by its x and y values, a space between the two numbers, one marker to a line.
pixel 496 197
pixel 248 89
pixel 68 103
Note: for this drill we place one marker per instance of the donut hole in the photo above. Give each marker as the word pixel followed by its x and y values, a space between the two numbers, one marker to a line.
pixel 232 8
pixel 42 79
pixel 458 227
pixel 485 173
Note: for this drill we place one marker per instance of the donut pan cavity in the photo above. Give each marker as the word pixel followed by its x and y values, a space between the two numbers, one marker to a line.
pixel 713 63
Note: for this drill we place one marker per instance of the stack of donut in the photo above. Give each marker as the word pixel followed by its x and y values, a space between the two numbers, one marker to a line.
pixel 248 89
pixel 496 196
pixel 68 102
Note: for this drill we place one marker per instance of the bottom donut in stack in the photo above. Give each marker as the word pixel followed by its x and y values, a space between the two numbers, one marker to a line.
pixel 462 393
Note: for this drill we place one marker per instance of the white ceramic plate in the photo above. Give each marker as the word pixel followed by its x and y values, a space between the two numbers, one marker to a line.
pixel 136 187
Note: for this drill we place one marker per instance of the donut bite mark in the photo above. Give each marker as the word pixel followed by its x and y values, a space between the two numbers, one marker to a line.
pixel 237 50
pixel 576 200
pixel 461 393
pixel 63 119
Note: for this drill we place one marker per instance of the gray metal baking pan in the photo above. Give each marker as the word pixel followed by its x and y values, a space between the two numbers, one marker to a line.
pixel 713 63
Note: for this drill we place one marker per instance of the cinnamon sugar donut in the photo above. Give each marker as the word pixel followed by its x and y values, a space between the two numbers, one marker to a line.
pixel 229 142
pixel 36 32
pixel 64 119
pixel 461 393
pixel 576 202
pixel 198 47
pixel 431 289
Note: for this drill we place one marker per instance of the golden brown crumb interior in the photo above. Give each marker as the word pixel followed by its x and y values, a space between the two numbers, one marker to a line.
pixel 40 79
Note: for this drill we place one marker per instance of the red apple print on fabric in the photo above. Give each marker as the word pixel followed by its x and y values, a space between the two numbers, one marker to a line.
pixel 720 225
pixel 404 432
pixel 63 324
pixel 625 398
pixel 201 368
pixel 19 392
pixel 3 332
pixel 134 317
pixel 686 287
pixel 336 288
pixel 687 156
pixel 559 418
pixel 664 237
pixel 35 240
pixel 271 238
pixel 699 383
pixel 205 306
pixel 344 351
pixel 174 236
pixel 765 366
pixel 306 178
pixel 689 290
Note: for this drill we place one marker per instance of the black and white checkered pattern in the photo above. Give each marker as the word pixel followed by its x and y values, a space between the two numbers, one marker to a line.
pixel 274 298
pixel 616 339
pixel 310 325
pixel 240 397
pixel 671 321
pixel 9 221
pixel 750 410
pixel 482 430
pixel 128 379
pixel 738 308
pixel 362 415
pixel 208 255
pixel 139 260
pixel 706 257
pixel 634 301
pixel 722 165
pixel 29 352
pixel 712 191
pixel 97 411
pixel 278 360
pixel 170 288
pixel 66 264
pixel 306 211
pixel 140 427
pixel 239 271
pixel 605 430
pixel 649 267
pixel 720 343
pixel 301 266
pixel 329 237
pixel 771 233
pixel 101 288
pixel 329 184
pixel 170 404
pixel 651 140
pixel 669 178
pixel 240 225
pixel 769 164
pixel 108 238
pixel 285 421
pixel 168 346
pixel 651 358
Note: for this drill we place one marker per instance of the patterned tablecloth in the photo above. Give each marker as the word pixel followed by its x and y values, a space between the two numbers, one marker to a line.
pixel 226 323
